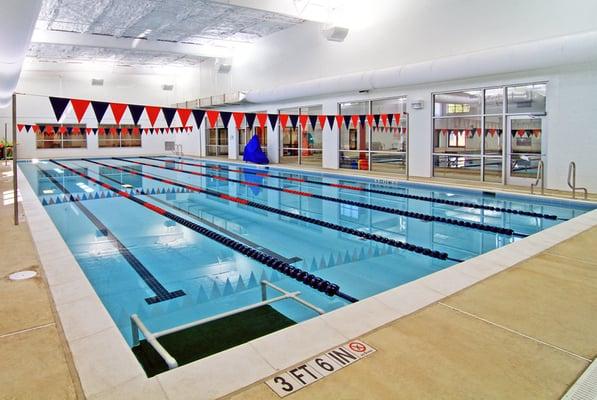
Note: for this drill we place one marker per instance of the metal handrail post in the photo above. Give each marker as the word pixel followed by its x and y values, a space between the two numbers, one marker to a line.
pixel 540 175
pixel 572 177
pixel 152 340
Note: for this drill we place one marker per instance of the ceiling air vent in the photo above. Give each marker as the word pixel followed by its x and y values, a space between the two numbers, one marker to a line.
pixel 168 88
pixel 97 82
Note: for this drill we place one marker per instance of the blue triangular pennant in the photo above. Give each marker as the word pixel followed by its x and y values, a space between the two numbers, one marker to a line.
pixel 169 115
pixel 59 104
pixel 136 112
pixel 225 115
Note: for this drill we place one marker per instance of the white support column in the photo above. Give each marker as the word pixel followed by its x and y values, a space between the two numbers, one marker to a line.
pixel 330 139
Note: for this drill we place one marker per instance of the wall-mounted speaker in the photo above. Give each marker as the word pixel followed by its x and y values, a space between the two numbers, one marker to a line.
pixel 417 105
pixel 335 33
pixel 97 82
pixel 168 88
pixel 224 68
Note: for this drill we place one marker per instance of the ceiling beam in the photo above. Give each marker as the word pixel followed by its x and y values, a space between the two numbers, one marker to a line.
pixel 111 42
pixel 310 10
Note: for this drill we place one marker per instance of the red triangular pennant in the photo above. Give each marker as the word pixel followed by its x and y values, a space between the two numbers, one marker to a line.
pixel 238 119
pixel 184 114
pixel 303 118
pixel 101 131
pixel 80 107
pixel 384 120
pixel 339 121
pixel 118 111
pixel 397 119
pixel 283 120
pixel 212 117
pixel 370 120
pixel 20 127
pixel 152 113
pixel 262 118
pixel 355 120
pixel 321 119
pixel 88 131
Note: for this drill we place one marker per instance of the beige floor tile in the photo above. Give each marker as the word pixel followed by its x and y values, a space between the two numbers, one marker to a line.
pixel 551 298
pixel 439 353
pixel 33 366
pixel 582 247
pixel 23 304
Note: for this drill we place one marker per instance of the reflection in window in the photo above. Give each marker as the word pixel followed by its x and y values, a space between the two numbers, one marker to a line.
pixel 527 99
pixel 119 136
pixel 66 136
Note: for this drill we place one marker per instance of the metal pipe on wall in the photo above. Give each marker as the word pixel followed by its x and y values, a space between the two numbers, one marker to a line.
pixel 15 186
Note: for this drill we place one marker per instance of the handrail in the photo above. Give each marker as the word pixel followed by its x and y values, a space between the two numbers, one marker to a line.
pixel 152 337
pixel 540 168
pixel 572 180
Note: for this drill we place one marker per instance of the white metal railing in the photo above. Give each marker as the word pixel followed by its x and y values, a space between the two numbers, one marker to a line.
pixel 540 168
pixel 572 180
pixel 152 337
pixel 178 150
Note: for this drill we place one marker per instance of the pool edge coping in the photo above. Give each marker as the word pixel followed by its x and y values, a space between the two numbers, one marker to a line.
pixel 84 337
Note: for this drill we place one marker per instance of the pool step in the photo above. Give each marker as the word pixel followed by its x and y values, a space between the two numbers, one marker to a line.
pixel 202 341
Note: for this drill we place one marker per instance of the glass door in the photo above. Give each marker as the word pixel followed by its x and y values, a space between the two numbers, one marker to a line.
pixel 524 148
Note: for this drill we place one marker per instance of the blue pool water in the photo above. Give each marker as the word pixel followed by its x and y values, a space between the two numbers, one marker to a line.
pixel 140 261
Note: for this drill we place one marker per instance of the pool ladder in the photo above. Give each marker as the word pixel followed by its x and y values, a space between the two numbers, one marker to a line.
pixel 572 181
pixel 540 178
pixel 152 337
pixel 178 150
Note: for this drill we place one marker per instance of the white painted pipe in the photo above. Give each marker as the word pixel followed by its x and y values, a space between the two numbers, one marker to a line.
pixel 548 53
pixel 17 21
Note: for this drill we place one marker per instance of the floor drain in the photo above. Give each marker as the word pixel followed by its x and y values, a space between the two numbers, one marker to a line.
pixel 22 275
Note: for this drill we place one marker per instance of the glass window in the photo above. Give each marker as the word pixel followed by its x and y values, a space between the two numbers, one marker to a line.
pixel 354 137
pixel 527 99
pixel 493 135
pixel 66 136
pixel 457 103
pixel 457 135
pixel 494 101
pixel 113 136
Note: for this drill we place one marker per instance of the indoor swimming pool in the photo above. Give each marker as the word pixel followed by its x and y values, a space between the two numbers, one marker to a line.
pixel 175 240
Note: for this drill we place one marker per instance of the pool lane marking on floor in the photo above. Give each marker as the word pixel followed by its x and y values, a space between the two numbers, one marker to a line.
pixel 161 293
pixel 377 238
pixel 394 211
pixel 302 375
pixel 233 235
pixel 308 279
pixel 358 188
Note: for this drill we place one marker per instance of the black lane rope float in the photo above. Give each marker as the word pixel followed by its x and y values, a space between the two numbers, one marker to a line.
pixel 208 223
pixel 317 283
pixel 390 210
pixel 161 293
pixel 376 238
pixel 377 191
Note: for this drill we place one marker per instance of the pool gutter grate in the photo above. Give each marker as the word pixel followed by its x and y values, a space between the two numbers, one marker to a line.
pixel 585 388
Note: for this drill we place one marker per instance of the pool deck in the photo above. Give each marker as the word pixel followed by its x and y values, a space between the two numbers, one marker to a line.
pixel 526 332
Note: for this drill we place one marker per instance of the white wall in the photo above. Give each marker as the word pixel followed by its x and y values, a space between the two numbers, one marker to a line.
pixel 385 33
pixel 121 84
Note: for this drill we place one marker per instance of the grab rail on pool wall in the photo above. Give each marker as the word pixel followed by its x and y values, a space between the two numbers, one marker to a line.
pixel 152 337
pixel 572 180
pixel 540 168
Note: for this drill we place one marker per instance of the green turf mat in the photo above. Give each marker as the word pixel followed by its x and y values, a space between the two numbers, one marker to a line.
pixel 204 340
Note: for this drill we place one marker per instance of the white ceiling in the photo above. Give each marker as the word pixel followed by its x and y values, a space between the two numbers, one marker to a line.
pixel 200 23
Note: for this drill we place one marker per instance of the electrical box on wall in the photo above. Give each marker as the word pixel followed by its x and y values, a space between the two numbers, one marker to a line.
pixel 417 105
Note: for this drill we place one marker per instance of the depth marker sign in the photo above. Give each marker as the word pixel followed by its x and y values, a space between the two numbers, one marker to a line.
pixel 299 376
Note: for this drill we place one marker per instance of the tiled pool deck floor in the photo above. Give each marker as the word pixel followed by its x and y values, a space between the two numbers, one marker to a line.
pixel 527 332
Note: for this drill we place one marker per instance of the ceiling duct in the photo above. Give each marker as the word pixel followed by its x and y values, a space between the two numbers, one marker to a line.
pixel 548 53
pixel 17 21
